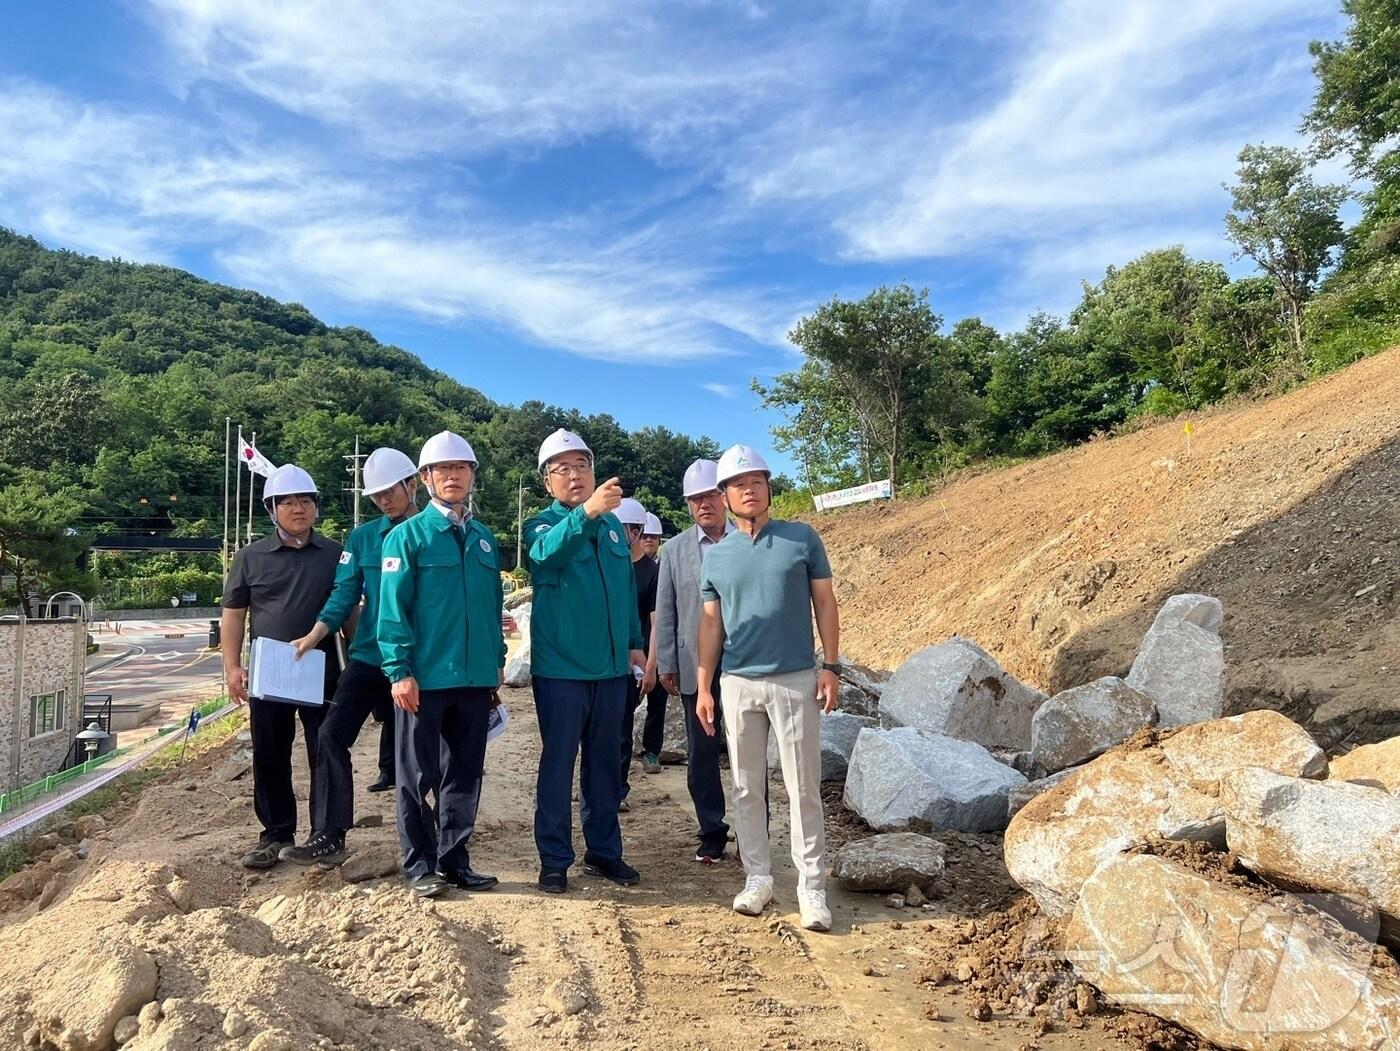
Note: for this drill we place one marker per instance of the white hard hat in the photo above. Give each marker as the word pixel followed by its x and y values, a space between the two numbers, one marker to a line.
pixel 631 512
pixel 445 446
pixel 386 468
pixel 562 441
pixel 653 526
pixel 700 478
pixel 288 480
pixel 737 460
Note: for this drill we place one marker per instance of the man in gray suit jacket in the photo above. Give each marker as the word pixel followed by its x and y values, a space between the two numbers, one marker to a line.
pixel 677 627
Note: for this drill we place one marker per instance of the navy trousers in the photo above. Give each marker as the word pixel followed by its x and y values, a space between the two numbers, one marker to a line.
pixel 361 692
pixel 441 751
pixel 575 714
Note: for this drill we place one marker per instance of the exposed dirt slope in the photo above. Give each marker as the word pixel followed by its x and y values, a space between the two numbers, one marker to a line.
pixel 1288 510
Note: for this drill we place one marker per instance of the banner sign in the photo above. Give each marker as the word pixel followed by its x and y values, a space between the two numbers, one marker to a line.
pixel 881 490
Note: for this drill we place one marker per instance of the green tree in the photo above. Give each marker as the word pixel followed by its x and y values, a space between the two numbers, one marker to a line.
pixel 1357 105
pixel 876 348
pixel 820 432
pixel 39 553
pixel 1286 223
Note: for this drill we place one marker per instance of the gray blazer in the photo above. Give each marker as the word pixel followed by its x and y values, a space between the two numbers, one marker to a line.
pixel 677 618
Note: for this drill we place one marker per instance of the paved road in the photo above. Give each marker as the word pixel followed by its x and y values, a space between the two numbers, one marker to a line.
pixel 158 667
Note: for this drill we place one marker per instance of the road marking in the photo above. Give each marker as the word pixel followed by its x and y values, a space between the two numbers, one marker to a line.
pixel 172 655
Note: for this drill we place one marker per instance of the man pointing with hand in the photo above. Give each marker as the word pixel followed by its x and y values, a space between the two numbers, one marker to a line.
pixel 760 587
pixel 585 639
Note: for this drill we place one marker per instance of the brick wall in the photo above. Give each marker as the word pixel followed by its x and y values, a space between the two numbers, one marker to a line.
pixel 38 657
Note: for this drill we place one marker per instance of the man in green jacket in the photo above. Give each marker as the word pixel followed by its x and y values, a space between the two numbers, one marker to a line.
pixel 391 481
pixel 442 648
pixel 585 641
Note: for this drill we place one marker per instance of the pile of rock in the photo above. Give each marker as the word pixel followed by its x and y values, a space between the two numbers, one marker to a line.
pixel 1238 962
pixel 962 744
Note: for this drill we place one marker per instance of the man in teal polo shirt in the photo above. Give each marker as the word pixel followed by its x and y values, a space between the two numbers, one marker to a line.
pixel 585 639
pixel 760 587
pixel 391 481
pixel 442 648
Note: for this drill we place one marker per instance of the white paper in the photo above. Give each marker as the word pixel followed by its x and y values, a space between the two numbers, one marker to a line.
pixel 278 676
pixel 497 722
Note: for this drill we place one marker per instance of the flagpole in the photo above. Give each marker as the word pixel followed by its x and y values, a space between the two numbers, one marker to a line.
pixel 238 493
pixel 254 444
pixel 224 550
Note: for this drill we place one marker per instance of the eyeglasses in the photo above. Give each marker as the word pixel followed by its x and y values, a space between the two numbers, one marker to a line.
pixel 296 501
pixel 559 470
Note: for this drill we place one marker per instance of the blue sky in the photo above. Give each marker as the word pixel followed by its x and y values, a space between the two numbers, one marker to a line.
pixel 623 206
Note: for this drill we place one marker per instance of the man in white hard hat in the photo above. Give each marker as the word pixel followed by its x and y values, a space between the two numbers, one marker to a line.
pixel 585 639
pixel 761 587
pixel 276 588
pixel 391 481
pixel 443 650
pixel 645 566
pixel 633 517
pixel 677 631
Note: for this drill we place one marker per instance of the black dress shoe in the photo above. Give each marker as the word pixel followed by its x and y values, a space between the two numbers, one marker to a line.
pixel 554 881
pixel 384 783
pixel 466 879
pixel 621 873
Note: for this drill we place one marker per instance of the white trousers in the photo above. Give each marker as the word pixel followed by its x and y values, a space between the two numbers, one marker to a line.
pixel 787 704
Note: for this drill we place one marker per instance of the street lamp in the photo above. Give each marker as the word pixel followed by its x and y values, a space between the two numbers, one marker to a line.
pixel 92 739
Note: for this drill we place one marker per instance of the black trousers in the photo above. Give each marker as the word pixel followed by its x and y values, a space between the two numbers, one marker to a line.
pixel 363 691
pixel 274 728
pixel 653 730
pixel 702 771
pixel 441 752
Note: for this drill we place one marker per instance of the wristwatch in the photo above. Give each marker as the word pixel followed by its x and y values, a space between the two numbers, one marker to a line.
pixel 835 669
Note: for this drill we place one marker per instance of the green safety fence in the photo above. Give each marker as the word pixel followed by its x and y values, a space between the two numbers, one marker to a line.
pixel 10 801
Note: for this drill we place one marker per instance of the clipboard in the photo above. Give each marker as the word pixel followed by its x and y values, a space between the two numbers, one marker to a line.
pixel 278 676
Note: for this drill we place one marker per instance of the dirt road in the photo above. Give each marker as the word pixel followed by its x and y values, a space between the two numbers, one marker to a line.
pixel 663 965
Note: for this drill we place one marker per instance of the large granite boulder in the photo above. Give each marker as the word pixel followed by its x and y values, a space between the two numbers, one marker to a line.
pixel 1080 723
pixel 1181 664
pixel 903 774
pixel 674 747
pixel 1330 836
pixel 1373 763
pixel 892 861
pixel 1236 969
pixel 957 689
pixel 1145 789
pixel 1019 796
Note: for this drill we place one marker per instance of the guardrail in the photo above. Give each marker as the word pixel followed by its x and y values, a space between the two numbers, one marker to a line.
pixel 130 758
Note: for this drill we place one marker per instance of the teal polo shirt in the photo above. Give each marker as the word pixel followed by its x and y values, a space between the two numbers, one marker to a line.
pixel 764 587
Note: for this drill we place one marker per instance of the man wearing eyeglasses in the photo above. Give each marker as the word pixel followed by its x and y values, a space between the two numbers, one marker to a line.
pixel 585 638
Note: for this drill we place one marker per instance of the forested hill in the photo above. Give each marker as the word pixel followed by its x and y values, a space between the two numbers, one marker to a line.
pixel 116 378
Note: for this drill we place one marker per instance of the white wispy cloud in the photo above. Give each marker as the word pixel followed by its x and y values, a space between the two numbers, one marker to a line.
pixel 117 183
pixel 722 390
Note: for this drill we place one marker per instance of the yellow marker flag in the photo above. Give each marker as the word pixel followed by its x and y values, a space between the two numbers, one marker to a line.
pixel 1190 430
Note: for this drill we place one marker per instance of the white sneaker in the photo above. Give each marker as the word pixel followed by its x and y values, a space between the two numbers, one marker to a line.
pixel 757 892
pixel 812 905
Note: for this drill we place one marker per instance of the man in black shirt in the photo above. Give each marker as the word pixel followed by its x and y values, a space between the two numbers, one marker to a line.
pixel 276 587
pixel 648 568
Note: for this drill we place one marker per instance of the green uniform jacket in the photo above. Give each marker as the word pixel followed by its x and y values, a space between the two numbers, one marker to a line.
pixel 358 574
pixel 583 620
pixel 440 604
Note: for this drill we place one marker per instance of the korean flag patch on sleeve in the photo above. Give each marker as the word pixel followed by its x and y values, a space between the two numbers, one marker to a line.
pixel 345 558
pixel 391 565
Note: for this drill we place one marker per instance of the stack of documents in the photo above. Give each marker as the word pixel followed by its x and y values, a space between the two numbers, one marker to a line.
pixel 278 676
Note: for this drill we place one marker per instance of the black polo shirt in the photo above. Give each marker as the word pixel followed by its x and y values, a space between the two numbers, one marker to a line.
pixel 282 587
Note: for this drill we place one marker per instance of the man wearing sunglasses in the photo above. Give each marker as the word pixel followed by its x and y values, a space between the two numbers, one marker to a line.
pixel 585 638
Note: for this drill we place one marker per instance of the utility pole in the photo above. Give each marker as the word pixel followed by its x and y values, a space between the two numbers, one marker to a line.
pixel 519 516
pixel 356 486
